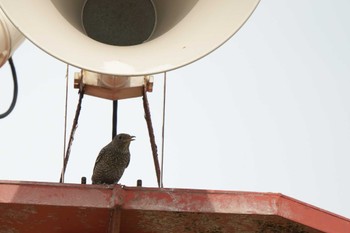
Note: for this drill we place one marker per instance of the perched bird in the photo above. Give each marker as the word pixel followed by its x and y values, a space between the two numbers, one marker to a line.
pixel 112 160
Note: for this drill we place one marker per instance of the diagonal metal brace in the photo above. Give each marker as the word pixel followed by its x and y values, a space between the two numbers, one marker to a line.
pixel 151 134
pixel 74 128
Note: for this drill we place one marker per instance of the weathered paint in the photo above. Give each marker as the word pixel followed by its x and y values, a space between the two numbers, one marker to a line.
pixel 188 222
pixel 28 207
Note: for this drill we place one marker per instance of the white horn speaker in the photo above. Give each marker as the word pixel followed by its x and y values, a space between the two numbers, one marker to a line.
pixel 10 38
pixel 128 37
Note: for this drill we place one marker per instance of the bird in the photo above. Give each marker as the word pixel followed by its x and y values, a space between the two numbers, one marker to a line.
pixel 112 160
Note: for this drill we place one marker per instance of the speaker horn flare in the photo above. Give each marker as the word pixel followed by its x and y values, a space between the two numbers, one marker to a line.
pixel 128 38
pixel 10 38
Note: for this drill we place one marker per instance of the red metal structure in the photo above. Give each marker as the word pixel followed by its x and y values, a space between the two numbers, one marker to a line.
pixel 27 207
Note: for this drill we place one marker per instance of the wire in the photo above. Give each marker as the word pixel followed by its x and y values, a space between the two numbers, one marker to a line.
pixel 15 90
pixel 65 123
pixel 163 133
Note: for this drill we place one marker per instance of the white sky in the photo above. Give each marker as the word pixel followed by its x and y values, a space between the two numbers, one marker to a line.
pixel 269 112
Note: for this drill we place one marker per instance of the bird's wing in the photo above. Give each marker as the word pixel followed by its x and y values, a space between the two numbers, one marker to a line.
pixel 127 164
pixel 100 155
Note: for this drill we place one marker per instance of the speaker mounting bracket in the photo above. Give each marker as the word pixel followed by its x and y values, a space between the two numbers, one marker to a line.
pixel 112 87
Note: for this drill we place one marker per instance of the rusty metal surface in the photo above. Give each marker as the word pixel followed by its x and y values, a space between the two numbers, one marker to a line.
pixel 35 218
pixel 42 207
pixel 188 222
pixel 27 207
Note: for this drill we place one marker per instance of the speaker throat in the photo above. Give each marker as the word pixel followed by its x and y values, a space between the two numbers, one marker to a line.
pixel 119 22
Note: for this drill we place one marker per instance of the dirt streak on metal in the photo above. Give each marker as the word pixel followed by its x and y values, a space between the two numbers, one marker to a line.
pixel 18 215
pixel 11 216
pixel 8 230
pixel 202 202
pixel 159 221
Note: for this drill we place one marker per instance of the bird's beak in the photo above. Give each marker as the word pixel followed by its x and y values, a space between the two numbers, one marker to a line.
pixel 132 138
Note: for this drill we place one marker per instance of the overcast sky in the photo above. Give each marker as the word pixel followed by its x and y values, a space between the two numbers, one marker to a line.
pixel 269 111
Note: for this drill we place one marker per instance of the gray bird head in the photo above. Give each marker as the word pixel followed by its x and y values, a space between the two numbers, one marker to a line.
pixel 122 141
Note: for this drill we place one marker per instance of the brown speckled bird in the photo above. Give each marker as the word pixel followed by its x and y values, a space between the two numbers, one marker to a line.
pixel 112 160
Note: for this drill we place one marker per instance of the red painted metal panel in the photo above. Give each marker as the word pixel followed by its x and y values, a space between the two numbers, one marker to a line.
pixel 238 204
pixel 15 218
pixel 27 207
pixel 187 200
pixel 56 194
pixel 42 207
pixel 312 216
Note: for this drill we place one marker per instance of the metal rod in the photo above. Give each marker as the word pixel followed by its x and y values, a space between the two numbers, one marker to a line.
pixel 74 128
pixel 115 118
pixel 163 134
pixel 151 134
pixel 65 124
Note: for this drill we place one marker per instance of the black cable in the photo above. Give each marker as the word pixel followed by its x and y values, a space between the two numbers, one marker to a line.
pixel 115 118
pixel 15 90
